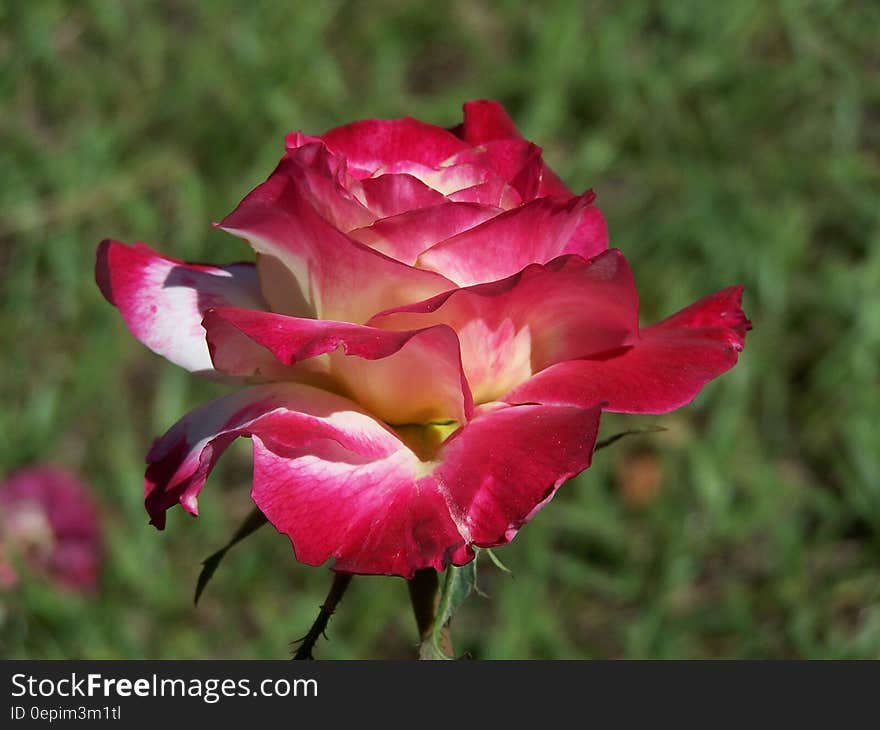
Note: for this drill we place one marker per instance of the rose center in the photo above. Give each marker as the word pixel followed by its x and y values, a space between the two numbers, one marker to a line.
pixel 425 439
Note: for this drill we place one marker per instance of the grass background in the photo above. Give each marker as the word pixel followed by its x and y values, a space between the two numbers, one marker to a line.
pixel 727 142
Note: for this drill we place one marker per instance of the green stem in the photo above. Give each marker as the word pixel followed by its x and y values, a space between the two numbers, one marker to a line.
pixel 337 590
pixel 424 594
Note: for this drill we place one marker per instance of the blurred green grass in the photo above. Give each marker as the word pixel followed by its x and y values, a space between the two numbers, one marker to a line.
pixel 730 142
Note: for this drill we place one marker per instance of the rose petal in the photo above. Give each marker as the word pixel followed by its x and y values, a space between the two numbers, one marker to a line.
pixel 551 184
pixel 237 355
pixel 722 309
pixel 374 517
pixel 515 161
pixel 290 413
pixel 662 370
pixel 534 233
pixel 506 464
pixel 392 516
pixel 512 328
pixel 400 377
pixel 325 473
pixel 325 266
pixel 403 237
pixel 163 300
pixel 445 180
pixel 487 121
pixel 373 143
pixel 388 195
pixel 341 485
pixel 494 192
pixel 321 178
pixel 464 182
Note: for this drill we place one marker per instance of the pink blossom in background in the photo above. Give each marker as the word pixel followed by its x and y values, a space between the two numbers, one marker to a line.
pixel 49 525
pixel 423 346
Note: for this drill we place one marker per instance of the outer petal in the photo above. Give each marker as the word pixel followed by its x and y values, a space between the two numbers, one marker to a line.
pixel 314 265
pixel 487 121
pixel 661 371
pixel 404 237
pixel 534 233
pixel 720 310
pixel 484 121
pixel 291 414
pixel 395 516
pixel 512 328
pixel 373 143
pixel 162 300
pixel 331 477
pixel 343 486
pixel 375 517
pixel 504 466
pixel 408 377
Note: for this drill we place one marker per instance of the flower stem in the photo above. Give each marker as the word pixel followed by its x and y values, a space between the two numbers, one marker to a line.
pixel 424 594
pixel 337 590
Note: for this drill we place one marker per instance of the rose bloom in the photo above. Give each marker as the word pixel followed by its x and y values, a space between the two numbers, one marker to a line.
pixel 49 524
pixel 425 342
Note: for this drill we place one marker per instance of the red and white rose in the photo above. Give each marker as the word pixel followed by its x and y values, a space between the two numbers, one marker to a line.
pixel 425 342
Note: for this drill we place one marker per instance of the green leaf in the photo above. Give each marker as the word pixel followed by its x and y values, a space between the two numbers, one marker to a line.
pixel 604 443
pixel 496 561
pixel 457 586
pixel 254 521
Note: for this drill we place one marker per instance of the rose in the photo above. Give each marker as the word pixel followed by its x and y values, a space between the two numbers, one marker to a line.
pixel 430 331
pixel 49 522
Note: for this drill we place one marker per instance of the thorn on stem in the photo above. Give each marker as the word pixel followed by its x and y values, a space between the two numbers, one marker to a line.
pixel 319 627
